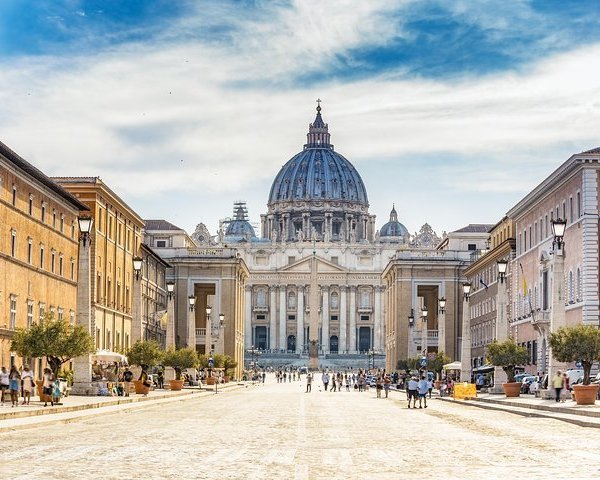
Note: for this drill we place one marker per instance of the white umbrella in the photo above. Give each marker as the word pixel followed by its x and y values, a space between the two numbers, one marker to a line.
pixel 453 366
pixel 108 356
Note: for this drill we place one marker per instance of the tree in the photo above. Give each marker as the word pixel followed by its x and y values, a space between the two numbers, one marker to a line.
pixel 409 364
pixel 508 355
pixel 57 340
pixel 145 353
pixel 203 361
pixel 229 364
pixel 436 364
pixel 580 343
pixel 180 359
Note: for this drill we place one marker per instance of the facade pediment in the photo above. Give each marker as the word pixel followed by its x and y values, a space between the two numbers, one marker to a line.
pixel 303 266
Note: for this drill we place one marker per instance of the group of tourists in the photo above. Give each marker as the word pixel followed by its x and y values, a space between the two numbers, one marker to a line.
pixel 22 383
pixel 418 388
pixel 283 376
pixel 561 385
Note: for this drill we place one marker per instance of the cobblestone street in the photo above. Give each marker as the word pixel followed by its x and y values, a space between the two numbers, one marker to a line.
pixel 278 431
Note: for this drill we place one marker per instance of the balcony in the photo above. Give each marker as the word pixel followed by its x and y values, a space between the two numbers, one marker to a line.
pixel 365 309
pixel 260 309
pixel 201 336
pixel 432 338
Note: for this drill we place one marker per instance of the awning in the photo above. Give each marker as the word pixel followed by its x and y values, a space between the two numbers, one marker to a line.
pixel 453 366
pixel 484 369
pixel 108 356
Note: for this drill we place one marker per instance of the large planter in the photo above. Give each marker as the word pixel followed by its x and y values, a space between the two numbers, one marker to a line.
pixel 226 379
pixel 210 380
pixel 140 388
pixel 176 385
pixel 512 389
pixel 585 394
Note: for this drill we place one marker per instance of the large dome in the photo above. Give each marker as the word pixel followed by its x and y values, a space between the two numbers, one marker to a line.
pixel 318 173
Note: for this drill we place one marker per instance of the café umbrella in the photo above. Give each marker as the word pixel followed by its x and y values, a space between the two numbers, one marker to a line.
pixel 108 356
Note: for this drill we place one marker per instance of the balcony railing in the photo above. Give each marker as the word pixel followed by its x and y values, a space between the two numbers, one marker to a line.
pixel 200 336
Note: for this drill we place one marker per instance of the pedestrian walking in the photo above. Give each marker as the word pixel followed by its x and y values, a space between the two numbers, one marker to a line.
pixel 386 385
pixel 56 392
pixel 309 382
pixel 264 375
pixel 14 383
pixel 411 391
pixel 423 387
pixel 348 380
pixel 378 386
pixel 27 384
pixel 127 378
pixel 333 383
pixel 325 380
pixel 429 385
pixel 565 389
pixel 558 383
pixel 4 383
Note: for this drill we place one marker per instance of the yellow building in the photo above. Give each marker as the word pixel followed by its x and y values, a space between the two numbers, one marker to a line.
pixel 115 240
pixel 38 250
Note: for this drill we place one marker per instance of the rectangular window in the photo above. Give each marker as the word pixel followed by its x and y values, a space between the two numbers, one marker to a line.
pixel 545 292
pixel 72 317
pixel 578 204
pixel 571 211
pixel 530 237
pixel 364 318
pixel 291 317
pixel 471 247
pixel 61 314
pixel 60 265
pixel 13 312
pixel 564 211
pixel 13 243
pixel 30 204
pixel 334 260
pixel 62 223
pixel 14 196
pixel 260 317
pixel 53 218
pixel 52 261
pixel 42 256
pixel 159 243
pixel 29 251
pixel 525 240
pixel 334 318
pixel 73 230
pixel 43 214
pixel 291 260
pixel 546 227
pixel 72 269
pixel 42 308
pixel 29 314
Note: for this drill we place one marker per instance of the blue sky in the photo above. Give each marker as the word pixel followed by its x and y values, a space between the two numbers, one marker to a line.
pixel 451 110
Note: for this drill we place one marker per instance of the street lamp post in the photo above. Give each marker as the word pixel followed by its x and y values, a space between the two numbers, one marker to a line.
pixel 136 300
pixel 465 360
pixel 501 320
pixel 82 365
pixel 411 324
pixel 442 324
pixel 170 340
pixel 191 323
pixel 557 318
pixel 424 313
pixel 208 334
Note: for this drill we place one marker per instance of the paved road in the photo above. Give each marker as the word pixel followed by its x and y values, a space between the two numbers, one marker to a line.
pixel 278 431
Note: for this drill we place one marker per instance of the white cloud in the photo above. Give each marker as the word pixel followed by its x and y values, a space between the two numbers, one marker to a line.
pixel 171 119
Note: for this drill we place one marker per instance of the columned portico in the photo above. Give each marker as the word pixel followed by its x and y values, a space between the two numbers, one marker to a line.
pixel 343 320
pixel 352 345
pixel 248 342
pixel 325 319
pixel 273 318
pixel 282 318
pixel 300 320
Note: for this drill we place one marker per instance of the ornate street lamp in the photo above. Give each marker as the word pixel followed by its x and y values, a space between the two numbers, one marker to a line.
pixel 442 304
pixel 466 290
pixel 192 302
pixel 502 268
pixel 170 289
pixel 221 320
pixel 411 318
pixel 85 228
pixel 558 230
pixel 137 267
pixel 424 313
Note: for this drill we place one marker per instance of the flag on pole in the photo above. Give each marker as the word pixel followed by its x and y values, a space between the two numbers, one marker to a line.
pixel 483 283
pixel 524 281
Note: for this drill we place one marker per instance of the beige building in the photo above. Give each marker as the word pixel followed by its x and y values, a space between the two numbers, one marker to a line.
pixel 212 276
pixel 153 296
pixel 38 250
pixel 115 241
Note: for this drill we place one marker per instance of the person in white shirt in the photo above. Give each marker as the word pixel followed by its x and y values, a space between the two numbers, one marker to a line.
pixel 27 383
pixel 4 382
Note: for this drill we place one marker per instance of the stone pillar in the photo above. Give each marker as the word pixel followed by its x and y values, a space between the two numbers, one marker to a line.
pixel 501 330
pixel 300 320
pixel 343 344
pixel 423 326
pixel 378 319
pixel 170 340
pixel 191 322
pixel 442 331
pixel 82 365
pixel 209 336
pixel 248 342
pixel 557 318
pixel 325 319
pixel 136 310
pixel 352 346
pixel 272 318
pixel 282 318
pixel 465 358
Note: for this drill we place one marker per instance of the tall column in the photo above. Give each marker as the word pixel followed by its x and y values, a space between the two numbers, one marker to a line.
pixel 300 320
pixel 343 344
pixel 170 340
pixel 272 318
pixel 465 358
pixel 442 331
pixel 325 319
pixel 378 317
pixel 352 347
pixel 423 325
pixel 82 365
pixel 191 322
pixel 248 342
pixel 208 350
pixel 557 318
pixel 501 330
pixel 136 309
pixel 282 318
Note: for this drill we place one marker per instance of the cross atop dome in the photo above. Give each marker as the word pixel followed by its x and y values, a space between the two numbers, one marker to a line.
pixel 318 132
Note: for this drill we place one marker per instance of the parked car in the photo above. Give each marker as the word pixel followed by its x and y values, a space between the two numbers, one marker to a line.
pixel 526 383
pixel 575 375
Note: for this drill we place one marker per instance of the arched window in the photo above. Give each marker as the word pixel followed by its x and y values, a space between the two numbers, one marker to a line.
pixel 335 301
pixel 291 300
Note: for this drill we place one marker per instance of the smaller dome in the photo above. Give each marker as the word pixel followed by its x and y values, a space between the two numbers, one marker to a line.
pixel 240 226
pixel 393 228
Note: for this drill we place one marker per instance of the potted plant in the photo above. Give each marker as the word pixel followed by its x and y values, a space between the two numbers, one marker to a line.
pixel 508 355
pixel 579 343
pixel 144 354
pixel 179 360
pixel 55 339
pixel 229 365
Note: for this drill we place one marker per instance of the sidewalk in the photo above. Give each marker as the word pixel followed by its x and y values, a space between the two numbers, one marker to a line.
pixel 25 416
pixel 529 406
